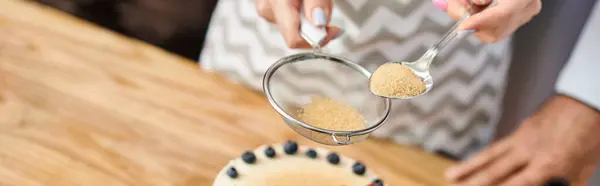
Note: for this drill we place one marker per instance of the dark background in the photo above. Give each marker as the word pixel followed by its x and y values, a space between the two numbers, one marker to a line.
pixel 178 26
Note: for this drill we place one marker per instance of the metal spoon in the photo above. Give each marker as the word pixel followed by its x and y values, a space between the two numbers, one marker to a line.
pixel 421 66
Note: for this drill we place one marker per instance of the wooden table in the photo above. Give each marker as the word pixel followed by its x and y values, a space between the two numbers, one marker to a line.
pixel 80 105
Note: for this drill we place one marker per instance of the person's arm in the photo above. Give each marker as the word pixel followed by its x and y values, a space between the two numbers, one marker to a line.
pixel 580 78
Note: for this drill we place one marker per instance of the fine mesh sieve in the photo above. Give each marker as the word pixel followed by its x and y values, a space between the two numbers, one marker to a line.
pixel 292 81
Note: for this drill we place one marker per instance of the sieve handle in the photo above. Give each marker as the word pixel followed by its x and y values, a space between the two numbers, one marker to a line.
pixel 313 35
pixel 345 142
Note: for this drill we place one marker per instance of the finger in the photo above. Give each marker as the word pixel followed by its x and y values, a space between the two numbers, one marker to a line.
pixel 493 28
pixel 287 17
pixel 531 9
pixel 318 12
pixel 489 16
pixel 543 169
pixel 441 4
pixel 332 34
pixel 486 35
pixel 502 19
pixel 456 8
pixel 264 10
pixel 457 172
pixel 535 7
pixel 585 175
pixel 501 168
pixel 531 175
pixel 481 2
pixel 491 24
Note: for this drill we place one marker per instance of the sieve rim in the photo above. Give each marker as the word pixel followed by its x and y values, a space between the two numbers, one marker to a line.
pixel 318 55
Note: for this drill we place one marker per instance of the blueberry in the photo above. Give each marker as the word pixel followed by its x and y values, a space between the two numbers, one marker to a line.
pixel 557 182
pixel 358 168
pixel 290 147
pixel 333 158
pixel 377 182
pixel 270 152
pixel 232 172
pixel 311 153
pixel 249 157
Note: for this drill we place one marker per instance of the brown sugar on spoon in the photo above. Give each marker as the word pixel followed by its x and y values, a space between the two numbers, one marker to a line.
pixel 331 114
pixel 396 80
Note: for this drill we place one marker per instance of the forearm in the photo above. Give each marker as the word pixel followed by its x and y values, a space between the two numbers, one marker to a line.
pixel 580 78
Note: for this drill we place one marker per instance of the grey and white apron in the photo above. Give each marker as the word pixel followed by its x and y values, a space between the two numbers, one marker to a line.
pixel 457 116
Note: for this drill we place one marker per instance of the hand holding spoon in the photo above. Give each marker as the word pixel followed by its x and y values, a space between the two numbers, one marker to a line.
pixel 407 80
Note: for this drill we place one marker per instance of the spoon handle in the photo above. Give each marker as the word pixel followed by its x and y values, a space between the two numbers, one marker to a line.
pixel 453 33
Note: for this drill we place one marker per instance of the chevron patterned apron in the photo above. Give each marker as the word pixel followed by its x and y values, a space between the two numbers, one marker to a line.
pixel 456 117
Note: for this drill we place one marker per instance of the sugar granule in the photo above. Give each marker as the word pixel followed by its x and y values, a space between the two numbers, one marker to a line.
pixel 331 114
pixel 396 80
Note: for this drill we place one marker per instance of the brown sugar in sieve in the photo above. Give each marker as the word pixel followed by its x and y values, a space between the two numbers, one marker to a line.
pixel 330 114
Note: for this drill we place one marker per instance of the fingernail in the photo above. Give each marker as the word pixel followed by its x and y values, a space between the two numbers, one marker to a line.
pixel 318 17
pixel 441 4
pixel 339 34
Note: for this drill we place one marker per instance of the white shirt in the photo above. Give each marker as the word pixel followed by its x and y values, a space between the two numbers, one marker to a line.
pixel 580 78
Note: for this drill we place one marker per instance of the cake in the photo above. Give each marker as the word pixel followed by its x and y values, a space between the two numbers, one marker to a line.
pixel 289 164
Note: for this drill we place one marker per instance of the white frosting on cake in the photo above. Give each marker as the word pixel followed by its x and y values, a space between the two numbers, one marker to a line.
pixel 293 170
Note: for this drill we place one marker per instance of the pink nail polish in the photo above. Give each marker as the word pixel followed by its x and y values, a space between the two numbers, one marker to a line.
pixel 441 4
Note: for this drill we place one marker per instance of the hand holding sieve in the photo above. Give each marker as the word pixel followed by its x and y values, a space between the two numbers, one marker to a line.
pixel 421 66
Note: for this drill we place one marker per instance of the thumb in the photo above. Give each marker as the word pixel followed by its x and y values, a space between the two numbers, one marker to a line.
pixel 318 12
pixel 287 19
pixel 489 16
